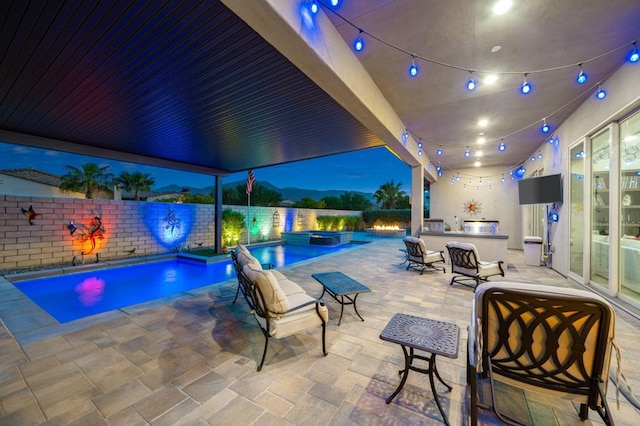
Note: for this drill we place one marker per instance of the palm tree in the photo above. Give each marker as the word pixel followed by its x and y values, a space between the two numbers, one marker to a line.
pixel 89 178
pixel 389 194
pixel 136 182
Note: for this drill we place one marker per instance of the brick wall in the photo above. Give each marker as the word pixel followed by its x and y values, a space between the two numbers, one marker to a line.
pixel 146 227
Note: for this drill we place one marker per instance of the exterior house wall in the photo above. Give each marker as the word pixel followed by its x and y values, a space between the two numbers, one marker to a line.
pixel 130 228
pixel 498 202
pixel 622 98
pixel 11 185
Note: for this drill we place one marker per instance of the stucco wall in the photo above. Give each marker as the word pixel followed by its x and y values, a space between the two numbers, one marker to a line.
pixel 498 203
pixel 146 227
pixel 17 186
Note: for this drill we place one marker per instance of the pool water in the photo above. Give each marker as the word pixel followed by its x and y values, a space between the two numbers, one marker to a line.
pixel 68 297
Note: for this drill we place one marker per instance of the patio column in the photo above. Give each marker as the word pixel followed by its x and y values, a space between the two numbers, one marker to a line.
pixel 417 200
pixel 218 215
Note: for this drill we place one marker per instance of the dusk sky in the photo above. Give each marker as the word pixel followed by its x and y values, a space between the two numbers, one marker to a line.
pixel 362 171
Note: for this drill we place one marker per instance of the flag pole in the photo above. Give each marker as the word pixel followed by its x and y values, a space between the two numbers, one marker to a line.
pixel 250 179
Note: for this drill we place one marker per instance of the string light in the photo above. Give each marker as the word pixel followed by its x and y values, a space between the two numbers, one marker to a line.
pixel 582 76
pixel 439 151
pixel 358 45
pixel 634 55
pixel 471 83
pixel 491 76
pixel 502 147
pixel 526 86
pixel 420 143
pixel 545 126
pixel 334 3
pixel 413 69
pixel 467 153
pixel 601 93
pixel 314 7
pixel 539 155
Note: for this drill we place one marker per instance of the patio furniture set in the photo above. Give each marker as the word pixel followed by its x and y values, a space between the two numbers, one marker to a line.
pixel 538 338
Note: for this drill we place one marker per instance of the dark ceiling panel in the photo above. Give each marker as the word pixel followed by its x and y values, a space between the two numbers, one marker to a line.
pixel 183 81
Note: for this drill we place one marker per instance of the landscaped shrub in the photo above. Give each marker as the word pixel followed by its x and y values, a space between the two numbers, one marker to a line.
pixel 401 218
pixel 338 223
pixel 233 226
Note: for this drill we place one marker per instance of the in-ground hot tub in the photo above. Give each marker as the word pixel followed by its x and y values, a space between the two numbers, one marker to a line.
pixel 321 238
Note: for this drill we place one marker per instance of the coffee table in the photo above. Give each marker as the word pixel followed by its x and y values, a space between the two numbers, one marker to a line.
pixel 417 333
pixel 340 286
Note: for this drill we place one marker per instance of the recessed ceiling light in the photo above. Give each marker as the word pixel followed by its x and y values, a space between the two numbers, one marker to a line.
pixel 502 6
pixel 483 122
pixel 481 140
pixel 490 79
pixel 478 154
pixel 481 133
pixel 496 48
pixel 477 164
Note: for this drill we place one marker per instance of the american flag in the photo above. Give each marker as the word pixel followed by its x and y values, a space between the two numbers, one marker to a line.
pixel 251 178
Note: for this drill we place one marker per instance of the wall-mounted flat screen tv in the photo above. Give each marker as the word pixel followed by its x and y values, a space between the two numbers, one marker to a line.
pixel 540 190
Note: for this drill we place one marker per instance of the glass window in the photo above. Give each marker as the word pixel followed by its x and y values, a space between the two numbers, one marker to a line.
pixel 576 216
pixel 630 206
pixel 600 166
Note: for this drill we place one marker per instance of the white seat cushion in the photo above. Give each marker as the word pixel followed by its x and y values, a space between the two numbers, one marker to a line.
pixel 289 287
pixel 487 269
pixel 244 258
pixel 275 299
pixel 296 321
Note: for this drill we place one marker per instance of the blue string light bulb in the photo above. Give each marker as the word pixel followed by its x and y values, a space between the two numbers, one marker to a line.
pixel 634 55
pixel 439 152
pixel 413 69
pixel 471 83
pixel 358 45
pixel 502 146
pixel 582 76
pixel 314 7
pixel 467 153
pixel 601 93
pixel 526 86
pixel 334 3
pixel 545 126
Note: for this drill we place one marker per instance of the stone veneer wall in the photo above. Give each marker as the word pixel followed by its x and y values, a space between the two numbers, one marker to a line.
pixel 148 227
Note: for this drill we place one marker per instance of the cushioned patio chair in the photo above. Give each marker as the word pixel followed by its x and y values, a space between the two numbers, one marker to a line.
pixel 280 315
pixel 549 340
pixel 467 266
pixel 419 258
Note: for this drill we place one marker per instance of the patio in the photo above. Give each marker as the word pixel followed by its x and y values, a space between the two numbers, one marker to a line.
pixel 192 361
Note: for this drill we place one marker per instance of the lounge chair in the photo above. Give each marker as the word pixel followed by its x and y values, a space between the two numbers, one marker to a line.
pixel 550 340
pixel 467 266
pixel 280 306
pixel 420 258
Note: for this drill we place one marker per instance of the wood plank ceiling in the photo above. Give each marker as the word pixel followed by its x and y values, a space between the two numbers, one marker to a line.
pixel 187 82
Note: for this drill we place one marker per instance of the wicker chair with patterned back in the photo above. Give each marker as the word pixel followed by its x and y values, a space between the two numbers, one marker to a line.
pixel 550 340
pixel 420 258
pixel 467 267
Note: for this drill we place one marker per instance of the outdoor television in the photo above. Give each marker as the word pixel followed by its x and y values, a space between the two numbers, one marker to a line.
pixel 540 190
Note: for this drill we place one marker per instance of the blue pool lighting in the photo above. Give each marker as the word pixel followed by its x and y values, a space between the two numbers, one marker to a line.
pixel 71 296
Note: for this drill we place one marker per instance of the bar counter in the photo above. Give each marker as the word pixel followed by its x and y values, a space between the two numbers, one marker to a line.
pixel 490 246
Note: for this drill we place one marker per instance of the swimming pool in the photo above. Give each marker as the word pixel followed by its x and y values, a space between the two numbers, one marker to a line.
pixel 68 297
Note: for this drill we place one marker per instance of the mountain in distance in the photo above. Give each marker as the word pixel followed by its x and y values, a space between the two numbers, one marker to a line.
pixel 289 193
